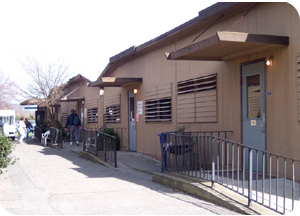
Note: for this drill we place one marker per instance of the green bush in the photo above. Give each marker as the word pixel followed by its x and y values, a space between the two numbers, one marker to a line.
pixel 111 131
pixel 6 148
pixel 181 129
pixel 59 126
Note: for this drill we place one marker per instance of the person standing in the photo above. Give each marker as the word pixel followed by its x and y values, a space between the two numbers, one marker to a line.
pixel 28 128
pixel 74 122
pixel 22 130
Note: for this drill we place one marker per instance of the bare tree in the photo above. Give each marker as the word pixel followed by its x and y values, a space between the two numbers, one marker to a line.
pixel 47 79
pixel 8 91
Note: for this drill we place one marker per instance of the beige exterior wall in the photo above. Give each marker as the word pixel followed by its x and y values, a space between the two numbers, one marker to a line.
pixel 281 79
pixel 92 99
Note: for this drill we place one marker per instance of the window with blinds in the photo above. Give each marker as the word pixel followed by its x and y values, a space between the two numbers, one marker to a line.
pixel 197 99
pixel 158 110
pixel 64 117
pixel 197 84
pixel 92 115
pixel 112 114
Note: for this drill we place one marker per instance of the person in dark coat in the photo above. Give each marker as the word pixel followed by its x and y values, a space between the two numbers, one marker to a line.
pixel 28 128
pixel 74 122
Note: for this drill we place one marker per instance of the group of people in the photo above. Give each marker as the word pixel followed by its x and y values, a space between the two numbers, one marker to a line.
pixel 24 127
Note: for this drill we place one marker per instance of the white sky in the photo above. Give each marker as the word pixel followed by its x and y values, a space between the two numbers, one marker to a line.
pixel 85 33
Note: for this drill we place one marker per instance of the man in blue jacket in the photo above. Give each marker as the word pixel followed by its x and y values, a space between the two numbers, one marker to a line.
pixel 74 122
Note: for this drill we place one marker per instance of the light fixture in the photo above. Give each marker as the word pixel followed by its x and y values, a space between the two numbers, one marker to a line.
pixel 135 91
pixel 101 92
pixel 269 61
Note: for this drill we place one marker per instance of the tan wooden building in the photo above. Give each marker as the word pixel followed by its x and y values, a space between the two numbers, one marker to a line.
pixel 75 94
pixel 210 74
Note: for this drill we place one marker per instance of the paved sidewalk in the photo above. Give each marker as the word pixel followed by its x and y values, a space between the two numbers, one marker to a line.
pixel 219 195
pixel 133 160
pixel 148 165
pixel 57 181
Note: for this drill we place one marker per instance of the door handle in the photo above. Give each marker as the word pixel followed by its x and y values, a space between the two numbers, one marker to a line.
pixel 263 128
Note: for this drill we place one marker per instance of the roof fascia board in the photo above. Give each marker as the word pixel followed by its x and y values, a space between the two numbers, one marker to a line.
pixel 115 81
pixel 215 9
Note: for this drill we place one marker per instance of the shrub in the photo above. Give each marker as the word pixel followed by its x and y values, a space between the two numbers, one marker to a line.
pixel 59 126
pixel 111 131
pixel 181 128
pixel 6 148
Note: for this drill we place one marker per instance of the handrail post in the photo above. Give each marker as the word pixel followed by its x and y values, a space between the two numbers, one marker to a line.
pixel 83 140
pixel 104 148
pixel 115 151
pixel 97 144
pixel 213 162
pixel 250 178
pixel 162 152
pixel 293 191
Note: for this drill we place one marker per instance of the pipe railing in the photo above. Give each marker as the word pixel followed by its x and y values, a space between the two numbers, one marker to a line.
pixel 55 136
pixel 263 177
pixel 38 133
pixel 100 144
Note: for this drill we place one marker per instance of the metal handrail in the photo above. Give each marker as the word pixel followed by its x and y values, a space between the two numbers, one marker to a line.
pixel 104 145
pixel 274 154
pixel 229 163
pixel 38 133
pixel 56 136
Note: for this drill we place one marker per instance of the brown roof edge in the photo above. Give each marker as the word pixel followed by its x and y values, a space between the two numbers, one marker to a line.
pixel 33 101
pixel 206 16
pixel 216 8
pixel 122 54
pixel 77 77
pixel 115 81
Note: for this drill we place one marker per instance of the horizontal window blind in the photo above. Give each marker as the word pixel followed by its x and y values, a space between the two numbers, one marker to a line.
pixel 158 110
pixel 92 115
pixel 112 109
pixel 202 83
pixel 64 117
pixel 197 100
pixel 112 114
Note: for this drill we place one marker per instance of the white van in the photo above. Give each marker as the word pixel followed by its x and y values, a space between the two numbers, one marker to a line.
pixel 7 123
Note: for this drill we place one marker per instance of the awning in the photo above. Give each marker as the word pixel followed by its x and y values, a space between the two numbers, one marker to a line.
pixel 228 45
pixel 115 82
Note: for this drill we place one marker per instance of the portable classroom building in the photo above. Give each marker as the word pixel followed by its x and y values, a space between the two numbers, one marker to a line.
pixel 210 73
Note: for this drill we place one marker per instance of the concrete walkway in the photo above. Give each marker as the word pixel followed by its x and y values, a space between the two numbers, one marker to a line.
pixel 202 189
pixel 53 181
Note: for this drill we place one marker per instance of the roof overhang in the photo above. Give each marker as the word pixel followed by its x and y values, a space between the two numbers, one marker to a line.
pixel 34 101
pixel 72 99
pixel 116 81
pixel 228 45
